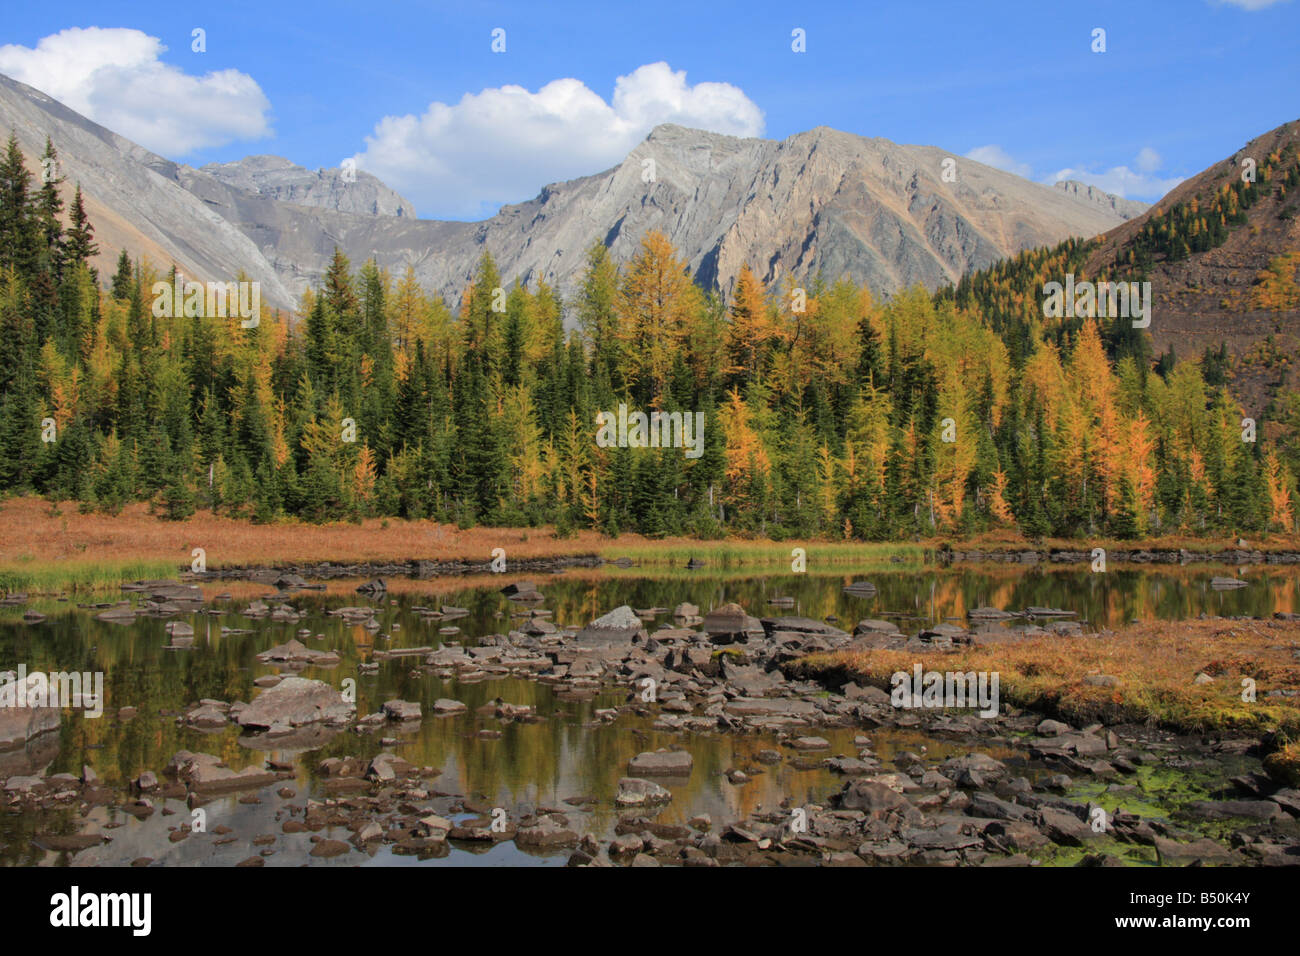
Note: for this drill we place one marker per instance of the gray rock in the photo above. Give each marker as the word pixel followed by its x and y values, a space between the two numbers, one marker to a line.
pixel 870 796
pixel 21 724
pixel 619 626
pixel 296 701
pixel 661 763
pixel 401 710
pixel 548 831
pixel 636 792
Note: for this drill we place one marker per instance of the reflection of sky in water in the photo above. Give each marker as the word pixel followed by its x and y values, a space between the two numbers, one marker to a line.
pixel 567 754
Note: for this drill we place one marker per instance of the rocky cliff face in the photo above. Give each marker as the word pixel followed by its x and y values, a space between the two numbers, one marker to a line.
pixel 1124 208
pixel 821 202
pixel 132 196
pixel 273 177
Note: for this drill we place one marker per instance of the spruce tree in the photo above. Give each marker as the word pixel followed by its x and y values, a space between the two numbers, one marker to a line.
pixel 81 246
pixel 123 278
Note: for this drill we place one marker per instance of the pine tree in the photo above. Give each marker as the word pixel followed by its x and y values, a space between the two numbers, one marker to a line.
pixel 47 209
pixel 19 233
pixel 81 246
pixel 123 278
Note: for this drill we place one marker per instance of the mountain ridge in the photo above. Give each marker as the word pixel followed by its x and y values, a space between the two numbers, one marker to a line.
pixel 822 201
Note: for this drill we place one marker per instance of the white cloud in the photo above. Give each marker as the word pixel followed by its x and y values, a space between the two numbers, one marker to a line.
pixel 502 144
pixel 998 158
pixel 1249 4
pixel 1140 183
pixel 113 76
pixel 1148 160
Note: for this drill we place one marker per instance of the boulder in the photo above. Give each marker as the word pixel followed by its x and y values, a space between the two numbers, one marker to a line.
pixel 294 651
pixel 401 710
pixel 661 763
pixel 20 724
pixel 731 623
pixel 636 792
pixel 296 701
pixel 619 626
pixel 549 830
pixel 869 796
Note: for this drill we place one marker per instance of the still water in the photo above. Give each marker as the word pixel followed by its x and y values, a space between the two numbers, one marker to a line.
pixel 568 754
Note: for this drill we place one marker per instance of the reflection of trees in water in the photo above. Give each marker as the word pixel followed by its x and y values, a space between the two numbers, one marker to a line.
pixel 553 759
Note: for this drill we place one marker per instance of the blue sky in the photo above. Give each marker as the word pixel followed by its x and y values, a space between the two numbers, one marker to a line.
pixel 1182 83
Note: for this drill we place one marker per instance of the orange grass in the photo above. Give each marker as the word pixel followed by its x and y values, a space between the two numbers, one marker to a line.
pixel 1156 664
pixel 30 531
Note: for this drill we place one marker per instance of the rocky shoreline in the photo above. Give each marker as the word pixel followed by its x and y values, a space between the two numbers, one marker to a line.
pixel 414 568
pixel 724 672
pixel 421 569
pixel 1179 556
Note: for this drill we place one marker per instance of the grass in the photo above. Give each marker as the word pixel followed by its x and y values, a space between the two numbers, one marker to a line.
pixel 50 547
pixel 772 555
pixel 1156 664
pixel 1284 765
pixel 1010 540
pixel 43 577
pixel 44 547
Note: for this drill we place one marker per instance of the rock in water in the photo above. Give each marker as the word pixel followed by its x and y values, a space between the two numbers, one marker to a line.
pixel 20 724
pixel 661 763
pixel 730 623
pixel 1227 584
pixel 296 701
pixel 619 626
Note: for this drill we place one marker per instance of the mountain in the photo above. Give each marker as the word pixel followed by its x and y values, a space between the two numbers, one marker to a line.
pixel 1219 279
pixel 273 177
pixel 1124 208
pixel 821 201
pixel 132 196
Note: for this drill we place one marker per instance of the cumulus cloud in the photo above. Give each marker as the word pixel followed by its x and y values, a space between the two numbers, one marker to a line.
pixel 503 143
pixel 998 158
pixel 115 77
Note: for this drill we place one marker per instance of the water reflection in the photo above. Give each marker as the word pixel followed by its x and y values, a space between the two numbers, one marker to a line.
pixel 566 754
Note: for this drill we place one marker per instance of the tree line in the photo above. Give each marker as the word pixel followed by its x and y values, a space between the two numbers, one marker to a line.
pixel 827 411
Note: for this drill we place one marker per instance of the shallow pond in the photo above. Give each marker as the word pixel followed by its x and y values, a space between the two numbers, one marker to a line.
pixel 567 754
